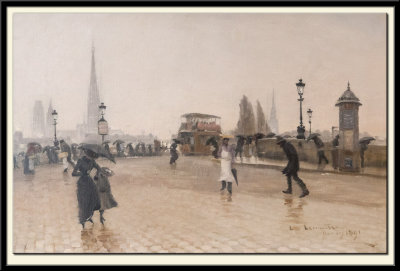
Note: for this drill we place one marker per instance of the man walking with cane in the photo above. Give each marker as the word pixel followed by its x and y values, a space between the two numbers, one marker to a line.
pixel 292 167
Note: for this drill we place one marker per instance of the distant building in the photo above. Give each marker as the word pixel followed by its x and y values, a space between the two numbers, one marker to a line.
pixel 38 128
pixel 273 121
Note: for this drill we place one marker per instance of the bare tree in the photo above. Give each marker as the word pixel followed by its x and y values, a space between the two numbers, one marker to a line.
pixel 261 123
pixel 247 123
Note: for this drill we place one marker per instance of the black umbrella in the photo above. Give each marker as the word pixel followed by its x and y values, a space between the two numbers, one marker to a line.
pixel 212 140
pixel 98 150
pixel 287 136
pixel 259 136
pixel 234 172
pixel 313 135
pixel 118 141
pixel 269 135
pixel 366 139
pixel 106 142
pixel 177 141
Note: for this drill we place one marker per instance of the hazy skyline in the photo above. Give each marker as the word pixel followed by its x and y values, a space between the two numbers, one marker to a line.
pixel 152 68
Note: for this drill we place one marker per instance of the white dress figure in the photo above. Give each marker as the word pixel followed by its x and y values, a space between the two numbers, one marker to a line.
pixel 226 165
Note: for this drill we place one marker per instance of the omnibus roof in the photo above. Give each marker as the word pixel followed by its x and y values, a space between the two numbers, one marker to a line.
pixel 199 115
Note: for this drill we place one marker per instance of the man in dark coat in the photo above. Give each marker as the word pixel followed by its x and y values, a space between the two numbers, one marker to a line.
pixel 239 146
pixel 292 167
pixel 363 148
pixel 335 152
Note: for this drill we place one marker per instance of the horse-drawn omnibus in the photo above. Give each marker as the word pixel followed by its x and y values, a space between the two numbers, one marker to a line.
pixel 195 130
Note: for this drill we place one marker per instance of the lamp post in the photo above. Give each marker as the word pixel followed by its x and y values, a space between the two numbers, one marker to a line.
pixel 309 112
pixel 102 123
pixel 55 116
pixel 300 90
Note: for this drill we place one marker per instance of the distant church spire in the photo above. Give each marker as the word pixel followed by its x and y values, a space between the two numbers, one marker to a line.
pixel 273 121
pixel 93 99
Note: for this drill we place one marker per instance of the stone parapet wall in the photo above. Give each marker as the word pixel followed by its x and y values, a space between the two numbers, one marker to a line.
pixel 267 148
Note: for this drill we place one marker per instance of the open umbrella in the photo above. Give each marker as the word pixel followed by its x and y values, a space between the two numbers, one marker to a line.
pixel 269 135
pixel 118 141
pixel 366 139
pixel 212 140
pixel 287 136
pixel 106 142
pixel 259 136
pixel 98 150
pixel 177 141
pixel 313 135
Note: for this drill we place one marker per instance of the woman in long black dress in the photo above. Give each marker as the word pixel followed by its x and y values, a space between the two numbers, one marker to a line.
pixel 87 193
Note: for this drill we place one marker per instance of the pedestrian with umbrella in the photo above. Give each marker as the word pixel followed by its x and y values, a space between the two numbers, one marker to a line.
pixel 47 149
pixel 239 146
pixel 87 192
pixel 107 147
pixel 363 147
pixel 32 149
pixel 174 152
pixel 227 155
pixel 120 149
pixel 65 155
pixel 335 152
pixel 131 151
pixel 74 150
pixel 320 147
pixel 292 167
pixel 213 142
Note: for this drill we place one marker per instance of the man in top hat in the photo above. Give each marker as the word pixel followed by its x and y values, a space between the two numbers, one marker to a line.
pixel 227 155
pixel 292 167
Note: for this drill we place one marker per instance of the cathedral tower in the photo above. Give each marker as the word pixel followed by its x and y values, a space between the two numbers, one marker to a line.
pixel 93 101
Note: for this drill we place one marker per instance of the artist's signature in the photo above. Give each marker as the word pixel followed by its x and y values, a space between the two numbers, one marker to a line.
pixel 327 230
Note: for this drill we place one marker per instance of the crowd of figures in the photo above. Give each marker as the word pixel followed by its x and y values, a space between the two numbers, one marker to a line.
pixel 93 190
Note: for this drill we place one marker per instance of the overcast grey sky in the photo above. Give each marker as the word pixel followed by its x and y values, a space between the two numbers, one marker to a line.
pixel 152 68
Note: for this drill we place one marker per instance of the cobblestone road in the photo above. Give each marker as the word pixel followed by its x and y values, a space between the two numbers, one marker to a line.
pixel 164 209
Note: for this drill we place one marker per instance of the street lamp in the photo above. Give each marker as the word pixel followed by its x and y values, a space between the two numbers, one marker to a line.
pixel 300 90
pixel 309 112
pixel 102 123
pixel 55 116
pixel 102 109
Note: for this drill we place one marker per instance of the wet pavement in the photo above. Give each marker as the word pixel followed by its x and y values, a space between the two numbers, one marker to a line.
pixel 179 209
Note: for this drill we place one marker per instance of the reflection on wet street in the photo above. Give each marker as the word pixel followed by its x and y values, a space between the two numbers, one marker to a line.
pixel 294 211
pixel 178 208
